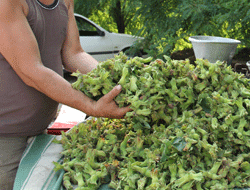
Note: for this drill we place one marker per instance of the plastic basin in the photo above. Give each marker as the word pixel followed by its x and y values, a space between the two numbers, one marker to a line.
pixel 214 48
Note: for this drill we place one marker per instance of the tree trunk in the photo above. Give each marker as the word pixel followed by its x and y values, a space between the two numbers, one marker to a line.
pixel 118 16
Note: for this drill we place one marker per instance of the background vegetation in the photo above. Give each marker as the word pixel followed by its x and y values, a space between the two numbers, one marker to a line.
pixel 166 25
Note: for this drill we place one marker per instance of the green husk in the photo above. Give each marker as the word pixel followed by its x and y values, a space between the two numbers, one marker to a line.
pixel 189 127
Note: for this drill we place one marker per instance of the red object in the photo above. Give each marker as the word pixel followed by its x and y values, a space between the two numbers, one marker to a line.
pixel 57 127
pixel 67 118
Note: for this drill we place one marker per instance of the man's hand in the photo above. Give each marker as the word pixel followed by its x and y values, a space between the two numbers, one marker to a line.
pixel 107 107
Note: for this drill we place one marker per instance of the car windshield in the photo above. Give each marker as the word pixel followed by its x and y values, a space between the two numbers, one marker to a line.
pixel 86 28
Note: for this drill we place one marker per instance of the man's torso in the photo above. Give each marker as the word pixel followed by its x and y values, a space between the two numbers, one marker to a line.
pixel 24 110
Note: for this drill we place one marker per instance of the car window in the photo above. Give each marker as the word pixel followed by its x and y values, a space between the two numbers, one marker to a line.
pixel 86 28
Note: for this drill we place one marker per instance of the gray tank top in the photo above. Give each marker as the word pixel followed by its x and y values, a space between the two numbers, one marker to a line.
pixel 25 111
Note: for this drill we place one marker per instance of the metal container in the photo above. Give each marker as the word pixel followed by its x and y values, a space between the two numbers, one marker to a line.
pixel 214 48
pixel 248 65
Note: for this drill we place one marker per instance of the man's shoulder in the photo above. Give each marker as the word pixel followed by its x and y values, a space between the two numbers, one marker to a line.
pixel 8 8
pixel 68 3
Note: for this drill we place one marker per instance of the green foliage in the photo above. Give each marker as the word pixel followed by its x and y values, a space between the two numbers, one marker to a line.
pixel 186 130
pixel 86 8
pixel 104 20
pixel 118 14
pixel 167 24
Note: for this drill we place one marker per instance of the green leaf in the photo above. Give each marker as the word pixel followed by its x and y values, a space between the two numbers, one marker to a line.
pixel 179 143
pixel 205 106
pixel 166 151
pixel 141 122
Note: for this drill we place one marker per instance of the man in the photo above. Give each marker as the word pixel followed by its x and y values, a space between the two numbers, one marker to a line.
pixel 37 37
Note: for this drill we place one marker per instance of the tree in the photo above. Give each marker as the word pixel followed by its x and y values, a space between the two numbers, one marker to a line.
pixel 167 22
pixel 122 12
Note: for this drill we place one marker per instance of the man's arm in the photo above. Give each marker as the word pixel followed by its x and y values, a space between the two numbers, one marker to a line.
pixel 19 47
pixel 74 57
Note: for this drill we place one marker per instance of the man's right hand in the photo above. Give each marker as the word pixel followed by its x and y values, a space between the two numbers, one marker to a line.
pixel 107 107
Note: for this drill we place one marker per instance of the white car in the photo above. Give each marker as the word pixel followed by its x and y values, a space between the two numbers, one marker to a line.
pixel 100 43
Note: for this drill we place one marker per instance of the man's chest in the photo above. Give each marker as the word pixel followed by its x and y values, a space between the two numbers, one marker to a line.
pixel 47 2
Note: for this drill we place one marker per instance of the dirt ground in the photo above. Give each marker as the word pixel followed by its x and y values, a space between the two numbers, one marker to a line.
pixel 238 62
pixel 242 56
